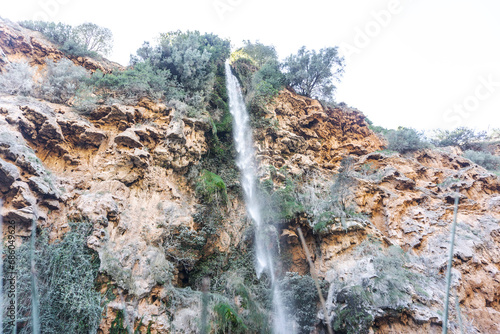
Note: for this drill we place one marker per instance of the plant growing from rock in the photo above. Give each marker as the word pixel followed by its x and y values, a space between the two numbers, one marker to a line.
pixel 66 273
pixel 17 78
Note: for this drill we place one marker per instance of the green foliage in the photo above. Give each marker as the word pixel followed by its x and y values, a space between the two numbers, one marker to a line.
pixel 17 78
pixel 232 276
pixel 190 57
pixel 141 80
pixel 94 38
pixel 228 320
pixel 85 40
pixel 280 204
pixel 61 80
pixel 390 288
pixel 405 140
pixel 85 100
pixel 259 72
pixel 66 273
pixel 353 318
pixel 485 159
pixel 211 188
pixel 465 138
pixel 326 201
pixel 300 295
pixel 266 84
pixel 312 73
pixel 260 53
pixel 117 326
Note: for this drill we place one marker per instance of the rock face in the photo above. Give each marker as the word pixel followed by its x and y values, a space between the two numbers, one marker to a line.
pixel 303 134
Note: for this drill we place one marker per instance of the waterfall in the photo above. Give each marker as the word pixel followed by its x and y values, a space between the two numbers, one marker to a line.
pixel 246 163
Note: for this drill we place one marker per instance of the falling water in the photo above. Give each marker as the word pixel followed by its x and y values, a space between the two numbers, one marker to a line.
pixel 245 161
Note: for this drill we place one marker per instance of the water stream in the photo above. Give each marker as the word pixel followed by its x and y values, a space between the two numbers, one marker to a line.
pixel 246 163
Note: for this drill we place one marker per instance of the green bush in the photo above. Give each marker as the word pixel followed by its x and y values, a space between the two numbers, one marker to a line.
pixel 211 188
pixel 281 204
pixel 465 138
pixel 405 140
pixel 17 78
pixel 301 298
pixel 392 287
pixel 140 80
pixel 66 271
pixel 228 320
pixel 61 80
pixel 85 100
pixel 190 57
pixel 485 159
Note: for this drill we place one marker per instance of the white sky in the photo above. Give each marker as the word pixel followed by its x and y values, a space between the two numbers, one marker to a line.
pixel 418 63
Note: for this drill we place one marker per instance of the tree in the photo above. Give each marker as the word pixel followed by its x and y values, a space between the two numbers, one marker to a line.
pixel 94 38
pixel 312 73
pixel 260 53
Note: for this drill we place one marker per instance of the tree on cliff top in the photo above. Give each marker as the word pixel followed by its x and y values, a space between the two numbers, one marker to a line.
pixel 94 38
pixel 312 73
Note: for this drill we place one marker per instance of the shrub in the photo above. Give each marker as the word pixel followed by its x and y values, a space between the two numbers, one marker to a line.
pixel 66 272
pixel 211 188
pixel 61 80
pixel 405 140
pixel 190 57
pixel 281 204
pixel 300 295
pixel 228 320
pixel 266 84
pixel 465 138
pixel 391 288
pixel 85 100
pixel 17 78
pixel 141 80
pixel 260 53
pixel 485 159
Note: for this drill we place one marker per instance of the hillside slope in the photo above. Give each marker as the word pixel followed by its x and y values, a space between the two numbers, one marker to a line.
pixel 133 173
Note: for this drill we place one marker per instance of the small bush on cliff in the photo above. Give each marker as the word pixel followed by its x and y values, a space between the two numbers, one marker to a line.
pixel 211 188
pixel 301 298
pixel 280 203
pixel 61 80
pixel 65 271
pixel 140 80
pixel 17 78
pixel 392 286
pixel 485 159
pixel 405 140
pixel 463 137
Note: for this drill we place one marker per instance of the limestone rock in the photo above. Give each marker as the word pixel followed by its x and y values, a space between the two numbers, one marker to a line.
pixel 128 138
pixel 8 175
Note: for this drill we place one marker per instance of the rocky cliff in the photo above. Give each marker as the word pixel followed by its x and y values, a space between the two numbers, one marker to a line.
pixel 131 171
